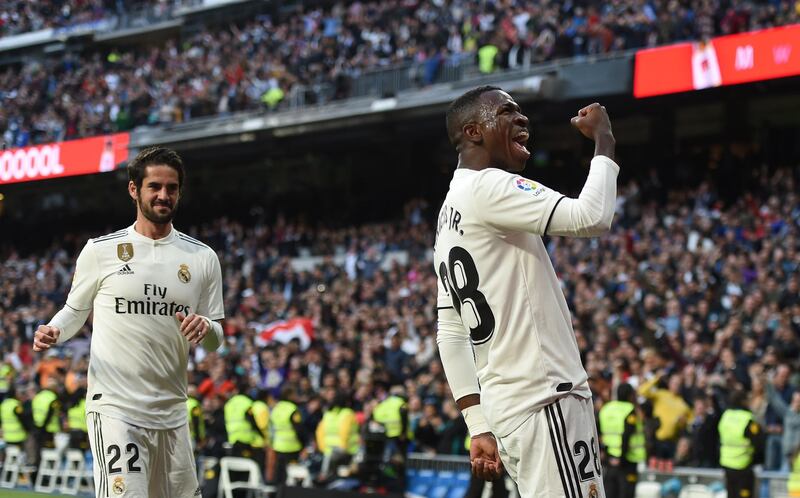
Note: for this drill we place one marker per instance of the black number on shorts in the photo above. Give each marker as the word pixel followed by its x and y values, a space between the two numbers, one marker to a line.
pixel 468 293
pixel 581 448
pixel 597 467
pixel 132 448
pixel 116 451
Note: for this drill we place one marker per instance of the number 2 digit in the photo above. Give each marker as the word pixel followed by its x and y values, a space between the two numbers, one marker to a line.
pixel 131 449
pixel 582 449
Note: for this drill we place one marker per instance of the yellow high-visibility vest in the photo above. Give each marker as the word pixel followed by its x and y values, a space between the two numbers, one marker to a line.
pixel 284 437
pixel 736 450
pixel 41 405
pixel 388 413
pixel 13 431
pixel 236 424
pixel 612 417
pixel 794 478
pixel 197 423
pixel 76 417
pixel 261 414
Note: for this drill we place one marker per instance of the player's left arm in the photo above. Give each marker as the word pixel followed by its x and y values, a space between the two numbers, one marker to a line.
pixel 205 326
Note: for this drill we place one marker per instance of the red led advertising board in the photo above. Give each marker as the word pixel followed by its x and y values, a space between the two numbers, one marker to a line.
pixel 55 160
pixel 726 60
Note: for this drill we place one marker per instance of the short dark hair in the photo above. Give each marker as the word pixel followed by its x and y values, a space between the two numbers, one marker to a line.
pixel 461 110
pixel 624 392
pixel 154 156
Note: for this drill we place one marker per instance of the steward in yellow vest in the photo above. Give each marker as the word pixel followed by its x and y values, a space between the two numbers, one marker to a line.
pixel 392 412
pixel 240 424
pixel 794 477
pixel 197 422
pixel 287 434
pixel 76 420
pixel 622 435
pixel 46 408
pixel 338 434
pixel 741 440
pixel 13 421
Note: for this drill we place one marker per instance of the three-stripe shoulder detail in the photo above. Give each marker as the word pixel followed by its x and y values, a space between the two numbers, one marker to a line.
pixel 111 236
pixel 190 240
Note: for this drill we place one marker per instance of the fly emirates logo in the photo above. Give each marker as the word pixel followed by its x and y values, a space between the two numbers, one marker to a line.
pixel 154 303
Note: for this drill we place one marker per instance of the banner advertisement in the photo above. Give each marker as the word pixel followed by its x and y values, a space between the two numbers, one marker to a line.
pixel 55 160
pixel 725 60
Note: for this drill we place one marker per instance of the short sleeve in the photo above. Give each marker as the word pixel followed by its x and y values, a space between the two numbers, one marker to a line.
pixel 85 280
pixel 505 201
pixel 211 304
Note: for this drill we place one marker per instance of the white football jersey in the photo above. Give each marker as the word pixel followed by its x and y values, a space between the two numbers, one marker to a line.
pixel 493 268
pixel 135 285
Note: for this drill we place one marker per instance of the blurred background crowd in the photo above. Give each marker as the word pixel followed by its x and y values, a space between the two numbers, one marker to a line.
pixel 318 51
pixel 692 294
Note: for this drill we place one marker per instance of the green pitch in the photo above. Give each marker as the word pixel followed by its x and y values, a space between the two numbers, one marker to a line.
pixel 13 493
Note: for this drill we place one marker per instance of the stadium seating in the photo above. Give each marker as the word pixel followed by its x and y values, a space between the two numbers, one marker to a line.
pixel 253 484
pixel 48 476
pixel 76 477
pixel 460 485
pixel 298 475
pixel 696 491
pixel 648 489
pixel 421 482
pixel 119 89
pixel 445 480
pixel 13 467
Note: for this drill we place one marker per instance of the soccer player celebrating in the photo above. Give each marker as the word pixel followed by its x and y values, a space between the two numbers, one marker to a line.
pixel 154 291
pixel 505 333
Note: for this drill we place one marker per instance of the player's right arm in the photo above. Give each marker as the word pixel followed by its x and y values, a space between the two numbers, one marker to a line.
pixel 455 350
pixel 69 320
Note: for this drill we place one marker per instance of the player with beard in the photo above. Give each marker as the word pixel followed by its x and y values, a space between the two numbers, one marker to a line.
pixel 154 292
pixel 505 332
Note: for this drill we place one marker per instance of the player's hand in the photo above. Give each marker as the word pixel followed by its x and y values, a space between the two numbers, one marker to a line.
pixel 45 337
pixel 193 327
pixel 484 458
pixel 593 122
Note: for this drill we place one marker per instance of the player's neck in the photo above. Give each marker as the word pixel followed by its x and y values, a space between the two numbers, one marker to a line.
pixel 473 159
pixel 152 230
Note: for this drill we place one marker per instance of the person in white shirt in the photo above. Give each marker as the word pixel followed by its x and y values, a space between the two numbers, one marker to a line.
pixel 505 333
pixel 154 292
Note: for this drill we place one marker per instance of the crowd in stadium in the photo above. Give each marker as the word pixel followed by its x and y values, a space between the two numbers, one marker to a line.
pixel 18 16
pixel 316 52
pixel 693 294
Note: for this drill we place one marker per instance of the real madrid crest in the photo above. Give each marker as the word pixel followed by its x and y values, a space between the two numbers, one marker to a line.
pixel 119 485
pixel 184 275
pixel 125 251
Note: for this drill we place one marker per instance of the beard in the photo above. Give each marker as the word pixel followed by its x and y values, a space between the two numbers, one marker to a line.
pixel 154 216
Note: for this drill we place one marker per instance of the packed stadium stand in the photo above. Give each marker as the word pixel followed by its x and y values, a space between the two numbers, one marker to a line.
pixel 317 52
pixel 318 184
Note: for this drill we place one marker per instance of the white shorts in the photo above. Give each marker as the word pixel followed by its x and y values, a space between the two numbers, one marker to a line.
pixel 555 452
pixel 134 462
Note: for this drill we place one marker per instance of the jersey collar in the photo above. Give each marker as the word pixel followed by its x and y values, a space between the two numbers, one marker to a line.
pixel 171 236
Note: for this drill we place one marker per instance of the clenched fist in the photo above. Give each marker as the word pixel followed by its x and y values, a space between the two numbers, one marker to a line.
pixel 593 122
pixel 45 337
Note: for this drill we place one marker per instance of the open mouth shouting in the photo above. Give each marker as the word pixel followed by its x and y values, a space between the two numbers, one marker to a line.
pixel 519 142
